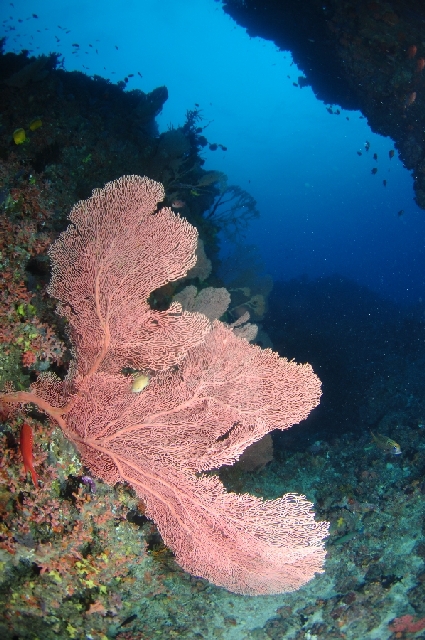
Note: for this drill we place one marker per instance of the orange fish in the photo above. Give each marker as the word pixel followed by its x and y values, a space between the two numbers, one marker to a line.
pixel 25 445
pixel 420 64
pixel 411 51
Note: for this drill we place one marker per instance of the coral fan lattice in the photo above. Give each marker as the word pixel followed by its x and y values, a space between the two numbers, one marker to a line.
pixel 210 395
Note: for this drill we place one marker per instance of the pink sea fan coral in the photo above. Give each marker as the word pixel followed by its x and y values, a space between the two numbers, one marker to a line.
pixel 210 395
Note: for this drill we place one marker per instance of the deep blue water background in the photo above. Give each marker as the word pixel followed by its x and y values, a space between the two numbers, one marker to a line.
pixel 322 210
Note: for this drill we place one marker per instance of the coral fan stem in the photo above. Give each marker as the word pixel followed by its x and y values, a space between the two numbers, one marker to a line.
pixel 27 397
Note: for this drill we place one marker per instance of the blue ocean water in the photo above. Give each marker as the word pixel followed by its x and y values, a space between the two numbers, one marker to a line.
pixel 322 210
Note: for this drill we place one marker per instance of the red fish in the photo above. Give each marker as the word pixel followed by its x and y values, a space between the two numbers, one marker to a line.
pixel 411 51
pixel 420 64
pixel 26 450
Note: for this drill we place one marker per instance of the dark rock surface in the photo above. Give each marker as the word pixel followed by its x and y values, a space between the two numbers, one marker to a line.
pixel 359 55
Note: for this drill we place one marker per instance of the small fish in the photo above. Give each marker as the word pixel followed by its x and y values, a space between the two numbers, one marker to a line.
pixel 178 204
pixel 367 145
pixel 25 445
pixel 411 51
pixel 19 136
pixel 374 171
pixel 386 444
pixel 375 157
pixel 420 65
pixel 384 182
pixel 35 124
pixel 410 99
pixel 140 382
pixel 400 213
pixel 391 153
pixel 359 153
